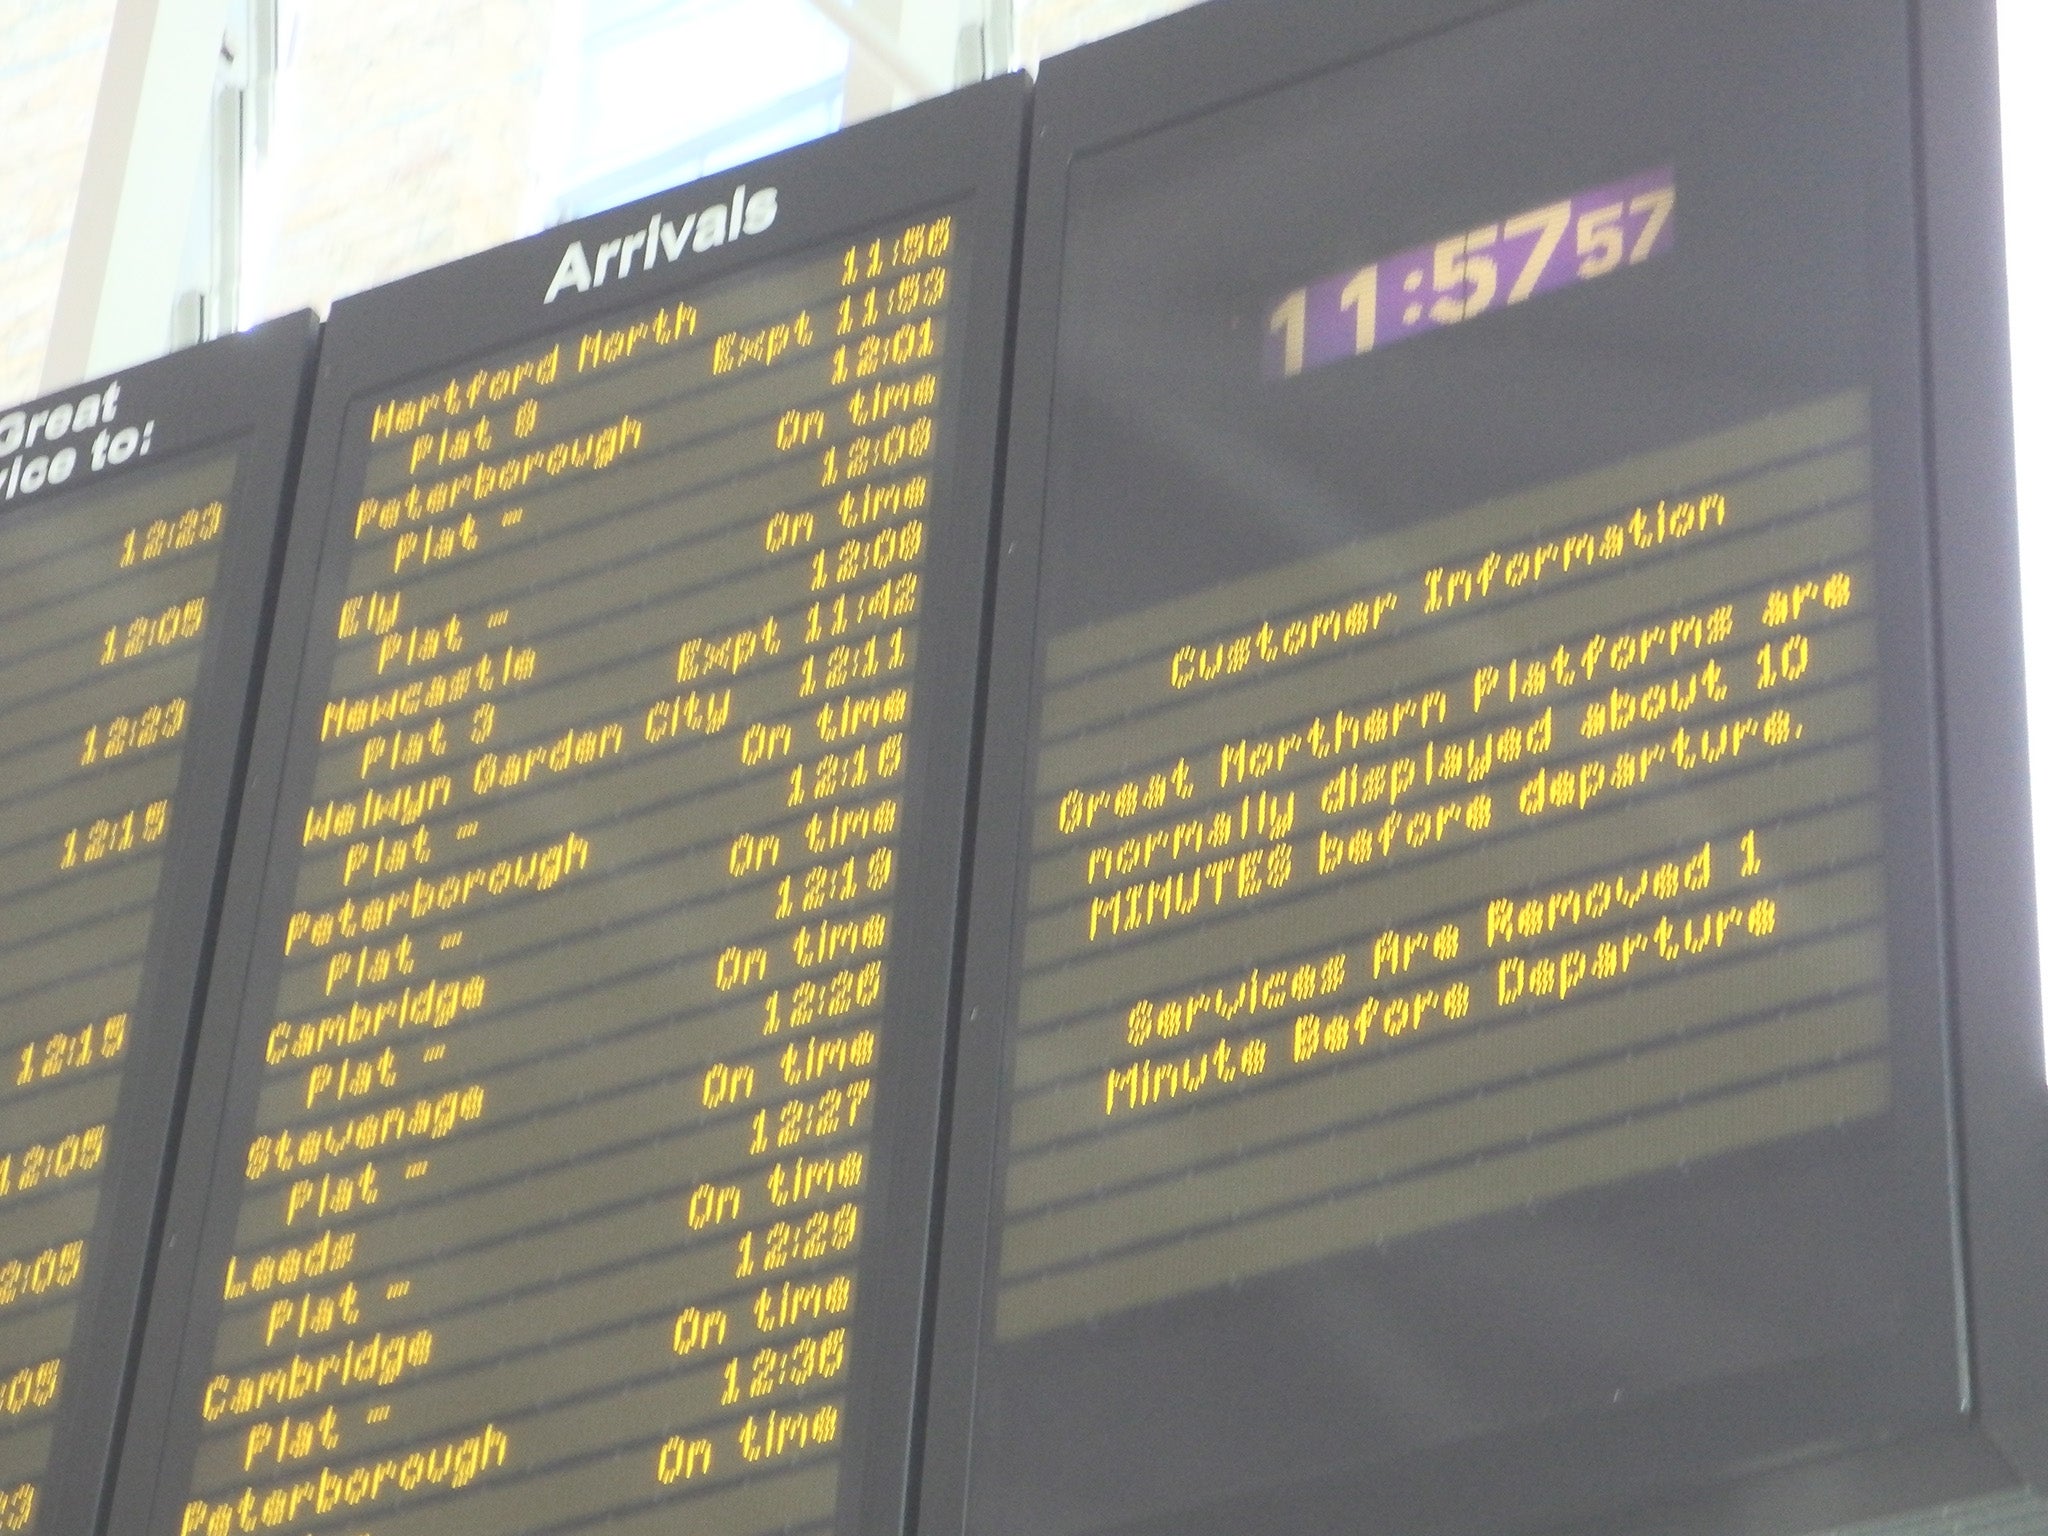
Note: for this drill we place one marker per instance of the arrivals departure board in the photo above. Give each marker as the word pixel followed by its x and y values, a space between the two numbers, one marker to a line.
pixel 568 1101
pixel 138 519
pixel 1457 1009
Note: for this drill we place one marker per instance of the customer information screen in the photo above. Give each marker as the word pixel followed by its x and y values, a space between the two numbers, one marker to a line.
pixel 1468 957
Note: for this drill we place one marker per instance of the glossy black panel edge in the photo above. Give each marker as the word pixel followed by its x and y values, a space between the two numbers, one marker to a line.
pixel 1995 986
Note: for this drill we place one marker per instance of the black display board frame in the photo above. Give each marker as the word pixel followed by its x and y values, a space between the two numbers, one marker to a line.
pixel 961 152
pixel 248 393
pixel 1994 984
pixel 1173 73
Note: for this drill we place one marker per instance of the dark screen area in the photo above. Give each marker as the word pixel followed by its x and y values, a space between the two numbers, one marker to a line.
pixel 1473 962
pixel 136 523
pixel 101 665
pixel 578 1129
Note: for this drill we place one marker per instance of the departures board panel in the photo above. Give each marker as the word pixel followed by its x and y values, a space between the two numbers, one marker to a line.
pixel 1458 1013
pixel 139 519
pixel 566 1113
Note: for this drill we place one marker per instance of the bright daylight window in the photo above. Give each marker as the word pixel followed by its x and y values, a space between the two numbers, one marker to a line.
pixel 666 92
pixel 384 161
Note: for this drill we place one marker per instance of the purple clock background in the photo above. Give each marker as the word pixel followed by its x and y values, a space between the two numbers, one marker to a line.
pixel 1406 294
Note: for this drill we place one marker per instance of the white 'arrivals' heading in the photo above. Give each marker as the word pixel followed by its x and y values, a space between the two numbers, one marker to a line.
pixel 744 214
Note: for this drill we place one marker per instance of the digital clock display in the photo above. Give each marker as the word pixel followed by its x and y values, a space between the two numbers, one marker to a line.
pixel 1459 278
pixel 576 1069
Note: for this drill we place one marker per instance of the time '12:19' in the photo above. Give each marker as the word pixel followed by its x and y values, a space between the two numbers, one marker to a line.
pixel 112 835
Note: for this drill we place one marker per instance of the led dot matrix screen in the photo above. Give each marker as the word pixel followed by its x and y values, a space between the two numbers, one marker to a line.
pixel 580 1066
pixel 1458 879
pixel 1498 921
pixel 138 518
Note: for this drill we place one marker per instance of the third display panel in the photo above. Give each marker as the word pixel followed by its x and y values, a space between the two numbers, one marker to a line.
pixel 1458 876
